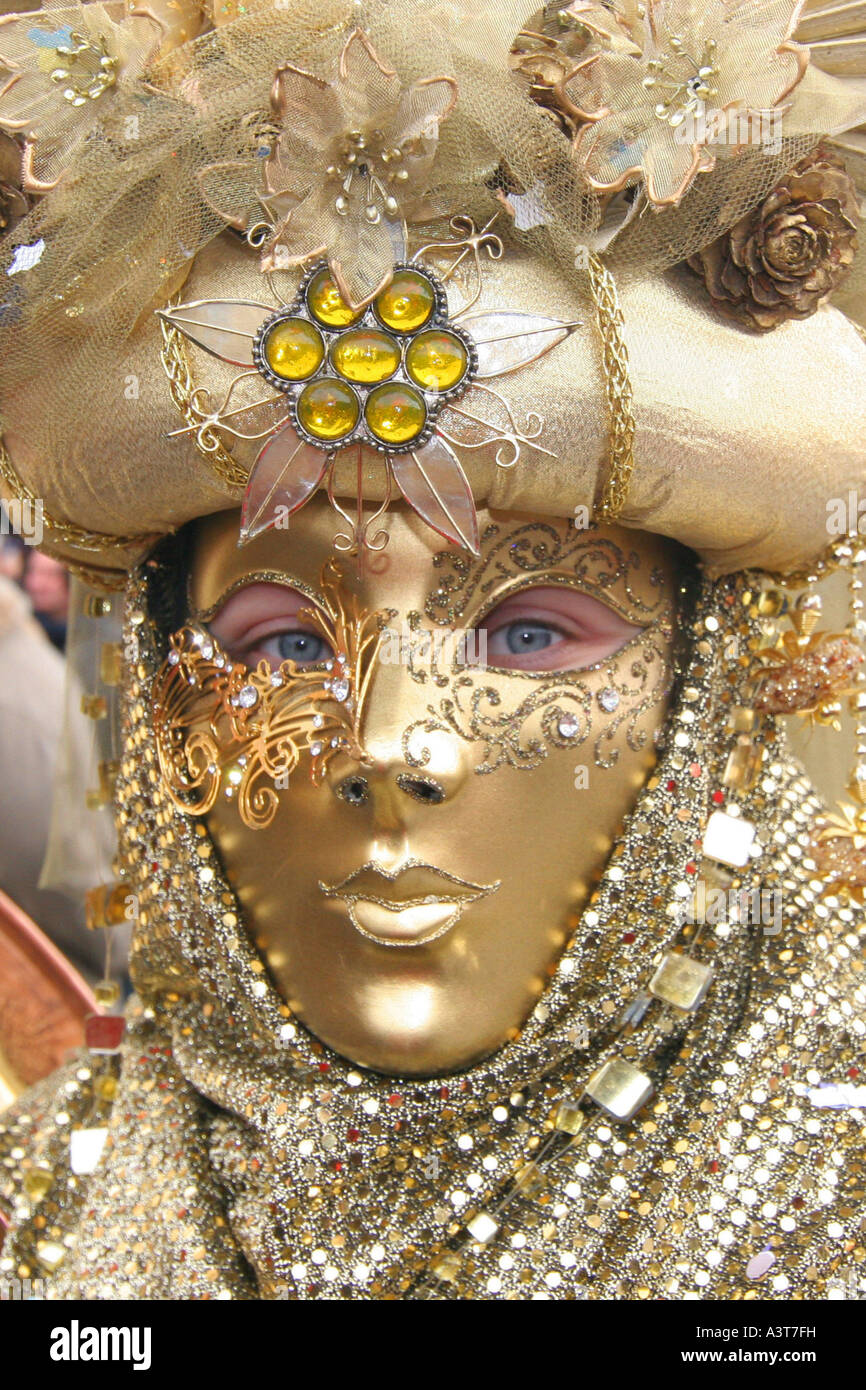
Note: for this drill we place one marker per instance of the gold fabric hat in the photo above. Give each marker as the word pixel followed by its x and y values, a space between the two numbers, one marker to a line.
pixel 591 372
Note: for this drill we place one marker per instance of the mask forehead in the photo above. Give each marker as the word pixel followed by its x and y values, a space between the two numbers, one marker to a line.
pixel 627 569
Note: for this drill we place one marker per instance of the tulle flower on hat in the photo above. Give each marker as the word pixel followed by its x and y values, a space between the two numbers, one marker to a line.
pixel 643 95
pixel 349 166
pixel 62 66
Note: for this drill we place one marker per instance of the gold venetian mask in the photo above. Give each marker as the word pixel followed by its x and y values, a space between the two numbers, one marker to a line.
pixel 414 771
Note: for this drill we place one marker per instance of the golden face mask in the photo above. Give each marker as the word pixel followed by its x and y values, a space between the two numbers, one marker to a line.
pixel 383 898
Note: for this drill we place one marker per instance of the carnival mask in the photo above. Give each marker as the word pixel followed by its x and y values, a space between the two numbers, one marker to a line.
pixel 413 771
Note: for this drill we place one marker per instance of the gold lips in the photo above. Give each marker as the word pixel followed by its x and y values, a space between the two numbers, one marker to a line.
pixel 409 906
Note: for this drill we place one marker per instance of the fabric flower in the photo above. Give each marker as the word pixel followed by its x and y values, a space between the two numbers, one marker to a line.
pixel 543 56
pixel 785 257
pixel 643 98
pixel 349 166
pixel 62 65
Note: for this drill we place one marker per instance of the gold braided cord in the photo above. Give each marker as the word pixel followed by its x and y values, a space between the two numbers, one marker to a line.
pixel 181 386
pixel 104 581
pixel 64 532
pixel 618 389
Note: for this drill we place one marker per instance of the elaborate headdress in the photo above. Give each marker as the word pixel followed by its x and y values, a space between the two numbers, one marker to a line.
pixel 421 201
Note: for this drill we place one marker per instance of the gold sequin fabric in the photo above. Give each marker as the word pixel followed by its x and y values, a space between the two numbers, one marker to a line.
pixel 247 1161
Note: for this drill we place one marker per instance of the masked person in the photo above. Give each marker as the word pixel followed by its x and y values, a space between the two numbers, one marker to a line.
pixel 490 942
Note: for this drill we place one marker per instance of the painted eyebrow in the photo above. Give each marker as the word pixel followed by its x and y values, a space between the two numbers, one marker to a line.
pixel 527 584
pixel 278 578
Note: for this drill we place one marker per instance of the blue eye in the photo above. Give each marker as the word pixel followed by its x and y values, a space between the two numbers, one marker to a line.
pixel 528 637
pixel 302 647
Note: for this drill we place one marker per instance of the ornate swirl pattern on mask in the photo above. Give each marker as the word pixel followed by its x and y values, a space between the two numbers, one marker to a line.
pixel 535 551
pixel 484 707
pixel 219 725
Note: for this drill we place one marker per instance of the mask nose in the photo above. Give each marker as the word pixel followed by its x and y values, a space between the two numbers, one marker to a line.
pixel 410 757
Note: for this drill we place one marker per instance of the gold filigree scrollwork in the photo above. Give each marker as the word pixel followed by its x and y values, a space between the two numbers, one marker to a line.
pixel 220 726
pixel 360 536
pixel 590 562
pixel 567 706
pixel 469 240
pixel 507 437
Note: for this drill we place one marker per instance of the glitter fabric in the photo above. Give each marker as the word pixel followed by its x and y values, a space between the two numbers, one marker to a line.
pixel 246 1160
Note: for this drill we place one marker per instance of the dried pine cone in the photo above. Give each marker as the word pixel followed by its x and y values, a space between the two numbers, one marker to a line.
pixel 783 259
pixel 13 204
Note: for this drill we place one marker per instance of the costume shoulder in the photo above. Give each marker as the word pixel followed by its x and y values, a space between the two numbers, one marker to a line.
pixel 148 1219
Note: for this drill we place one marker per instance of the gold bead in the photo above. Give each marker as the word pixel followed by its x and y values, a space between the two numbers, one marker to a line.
pixel 327 305
pixel 530 1180
pixel 50 1254
pixel 111 663
pixel 94 706
pixel 328 410
pixel 294 349
pixel 95 606
pixel 395 414
pixel 106 905
pixel 436 360
pixel 482 1227
pixel 408 302
pixel 619 1088
pixel 569 1117
pixel 365 355
pixel 447 1266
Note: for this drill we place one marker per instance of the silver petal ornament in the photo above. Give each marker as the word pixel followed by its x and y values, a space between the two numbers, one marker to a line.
pixel 435 486
pixel 226 328
pixel 506 340
pixel 285 474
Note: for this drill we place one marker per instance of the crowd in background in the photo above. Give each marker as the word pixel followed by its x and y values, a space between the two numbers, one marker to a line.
pixel 34 604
